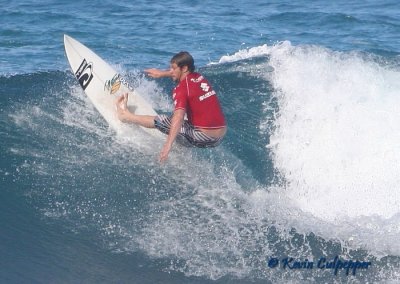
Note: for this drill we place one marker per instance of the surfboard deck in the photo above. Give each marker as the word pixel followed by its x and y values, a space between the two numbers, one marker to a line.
pixel 102 84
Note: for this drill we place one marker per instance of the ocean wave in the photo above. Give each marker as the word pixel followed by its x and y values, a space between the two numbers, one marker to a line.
pixel 210 213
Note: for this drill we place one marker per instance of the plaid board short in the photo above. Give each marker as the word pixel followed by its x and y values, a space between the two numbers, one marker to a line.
pixel 188 135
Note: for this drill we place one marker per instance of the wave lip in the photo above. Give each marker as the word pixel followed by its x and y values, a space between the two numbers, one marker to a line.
pixel 246 54
pixel 337 132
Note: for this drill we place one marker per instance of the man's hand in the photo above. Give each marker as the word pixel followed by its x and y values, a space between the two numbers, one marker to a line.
pixel 164 153
pixel 176 124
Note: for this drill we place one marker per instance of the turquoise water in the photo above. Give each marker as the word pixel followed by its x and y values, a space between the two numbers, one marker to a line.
pixel 308 170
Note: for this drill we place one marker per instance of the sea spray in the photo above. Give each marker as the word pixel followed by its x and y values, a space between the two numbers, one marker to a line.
pixel 336 138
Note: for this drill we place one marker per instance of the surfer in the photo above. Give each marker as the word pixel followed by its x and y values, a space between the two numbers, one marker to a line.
pixel 194 98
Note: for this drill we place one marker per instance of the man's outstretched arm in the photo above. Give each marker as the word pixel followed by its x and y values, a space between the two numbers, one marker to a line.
pixel 158 73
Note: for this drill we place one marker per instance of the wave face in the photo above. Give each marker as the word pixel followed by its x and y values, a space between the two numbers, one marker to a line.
pixel 308 169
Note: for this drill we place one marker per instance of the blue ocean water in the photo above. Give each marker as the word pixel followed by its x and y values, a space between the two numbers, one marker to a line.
pixel 309 169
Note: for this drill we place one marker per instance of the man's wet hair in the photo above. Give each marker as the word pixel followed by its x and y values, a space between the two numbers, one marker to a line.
pixel 184 58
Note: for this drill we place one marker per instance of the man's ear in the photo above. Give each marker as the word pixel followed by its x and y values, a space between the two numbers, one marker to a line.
pixel 185 68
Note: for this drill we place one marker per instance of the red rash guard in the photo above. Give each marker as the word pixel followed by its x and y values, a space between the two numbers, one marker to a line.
pixel 195 95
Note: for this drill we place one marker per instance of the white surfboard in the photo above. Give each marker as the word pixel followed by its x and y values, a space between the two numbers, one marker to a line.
pixel 102 84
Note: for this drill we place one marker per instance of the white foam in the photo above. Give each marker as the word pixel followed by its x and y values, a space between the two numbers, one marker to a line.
pixel 246 53
pixel 336 140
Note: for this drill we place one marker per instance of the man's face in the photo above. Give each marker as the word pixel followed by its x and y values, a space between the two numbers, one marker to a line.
pixel 177 72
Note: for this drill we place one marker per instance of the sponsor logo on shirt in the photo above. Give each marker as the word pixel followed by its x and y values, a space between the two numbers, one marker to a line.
pixel 207 95
pixel 205 87
pixel 198 79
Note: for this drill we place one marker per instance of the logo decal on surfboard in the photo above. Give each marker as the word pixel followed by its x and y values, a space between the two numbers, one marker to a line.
pixel 113 85
pixel 84 74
